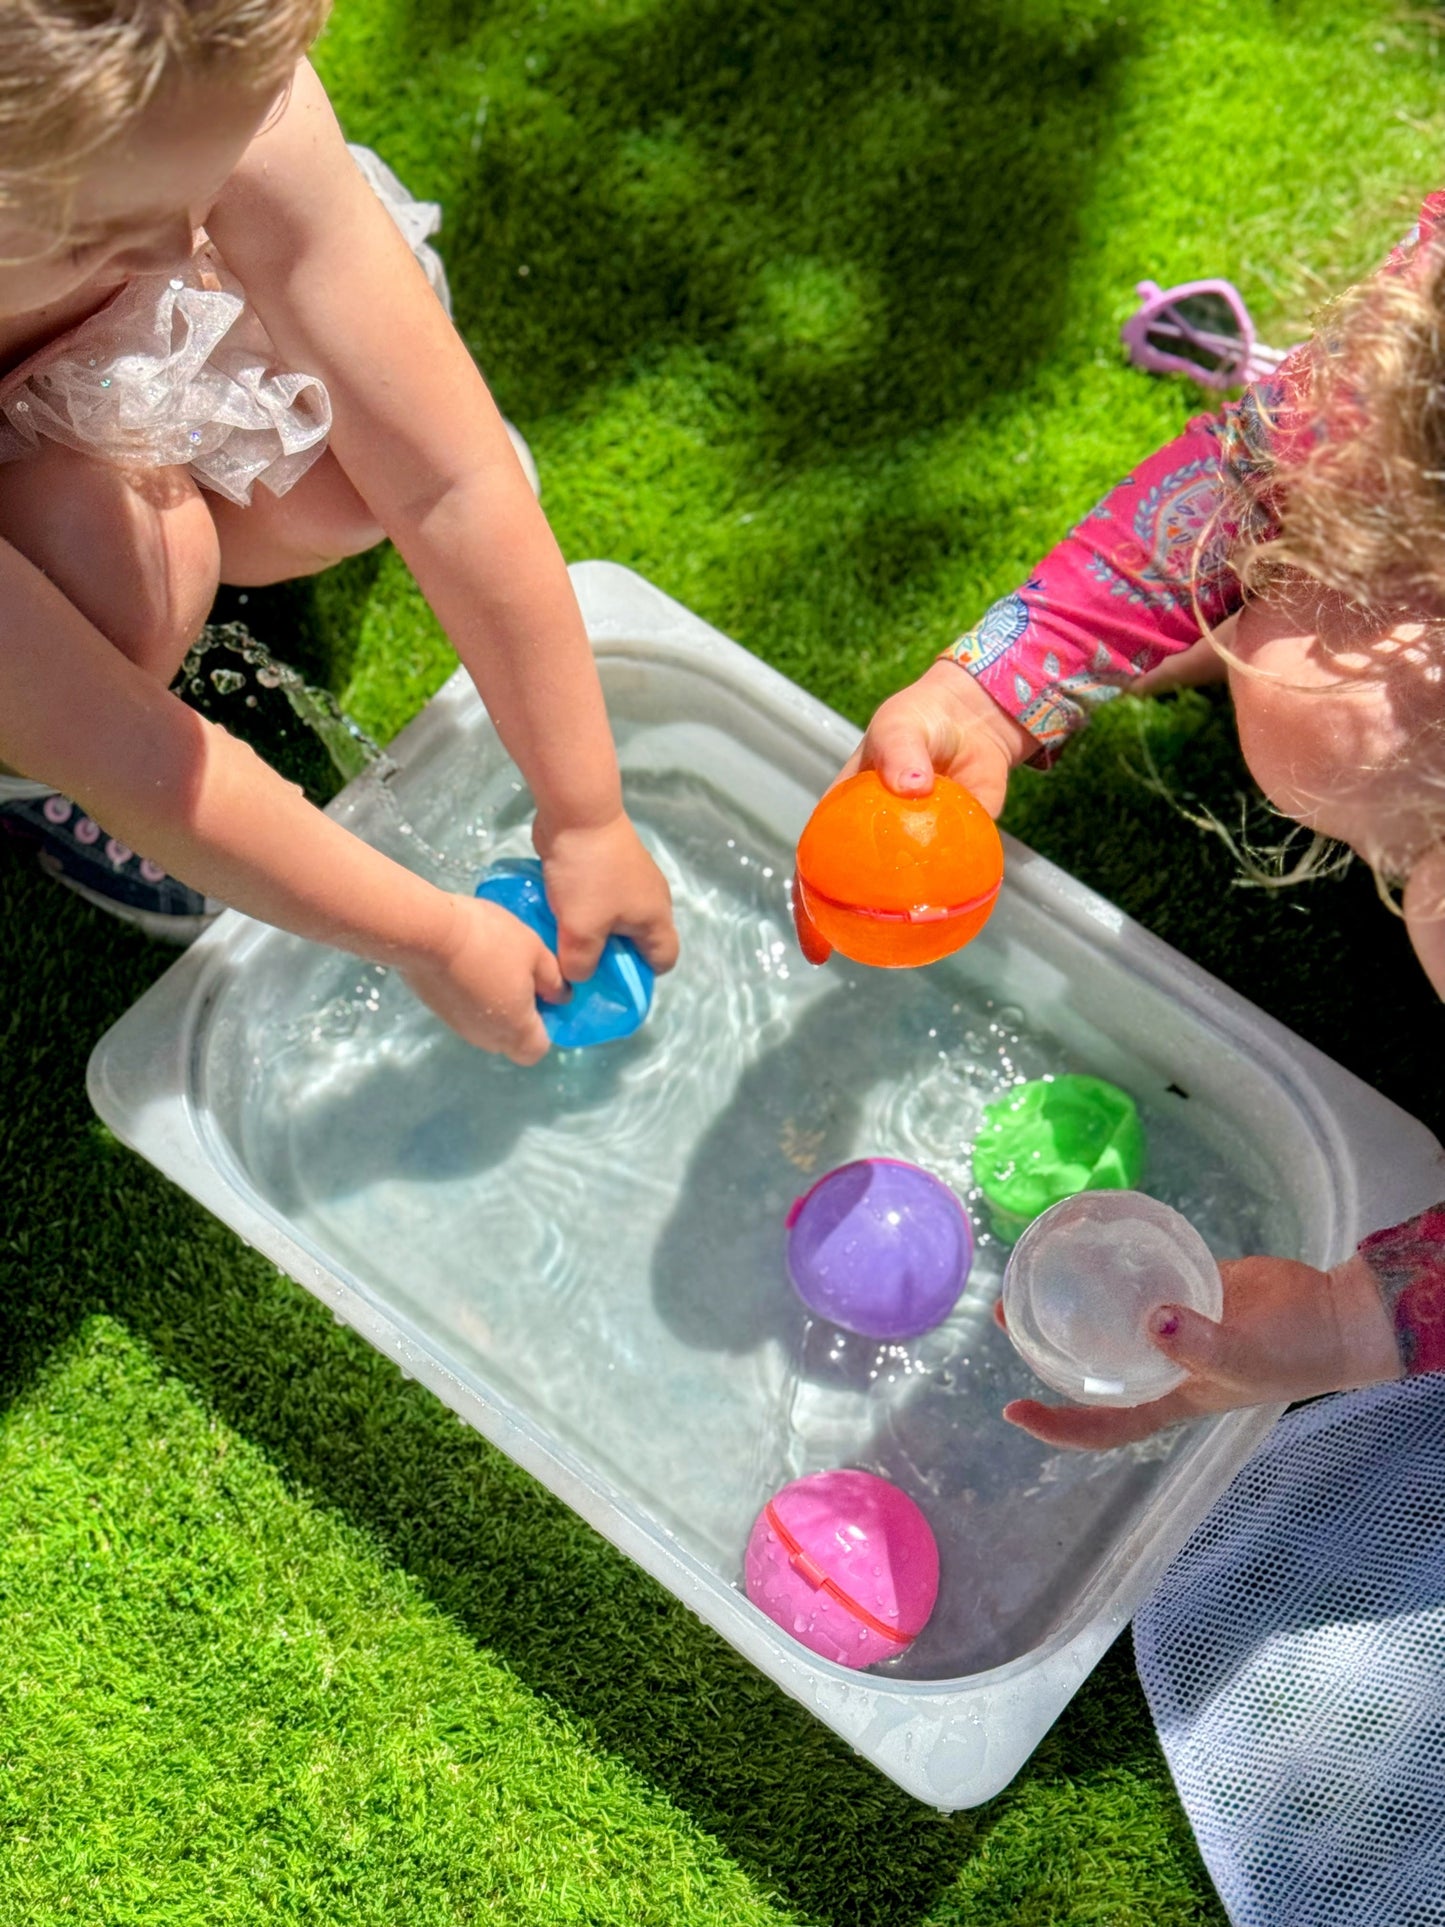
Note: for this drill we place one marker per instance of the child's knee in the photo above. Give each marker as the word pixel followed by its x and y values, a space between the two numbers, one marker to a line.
pixel 316 524
pixel 176 562
pixel 134 549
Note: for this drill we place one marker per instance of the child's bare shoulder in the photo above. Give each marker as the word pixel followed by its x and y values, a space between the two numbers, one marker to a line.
pixel 287 188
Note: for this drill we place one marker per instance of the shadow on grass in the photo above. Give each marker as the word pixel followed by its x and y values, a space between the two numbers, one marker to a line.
pixel 859 220
pixel 852 205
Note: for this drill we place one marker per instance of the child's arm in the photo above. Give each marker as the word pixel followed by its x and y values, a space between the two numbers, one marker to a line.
pixel 1132 587
pixel 1288 1332
pixel 945 722
pixel 421 440
pixel 75 713
pixel 1146 574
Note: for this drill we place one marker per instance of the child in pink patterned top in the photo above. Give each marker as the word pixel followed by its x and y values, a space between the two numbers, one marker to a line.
pixel 1294 542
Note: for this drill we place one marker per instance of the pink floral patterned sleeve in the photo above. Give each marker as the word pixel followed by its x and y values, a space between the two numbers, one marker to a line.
pixel 1136 581
pixel 1142 575
pixel 1408 1262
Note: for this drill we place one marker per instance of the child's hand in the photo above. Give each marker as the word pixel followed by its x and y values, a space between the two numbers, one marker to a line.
pixel 485 978
pixel 601 880
pixel 944 722
pixel 1288 1332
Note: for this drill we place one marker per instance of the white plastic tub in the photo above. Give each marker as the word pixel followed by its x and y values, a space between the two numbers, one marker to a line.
pixel 585 1260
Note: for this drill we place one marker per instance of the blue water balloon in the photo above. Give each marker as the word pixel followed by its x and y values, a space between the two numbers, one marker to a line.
pixel 616 997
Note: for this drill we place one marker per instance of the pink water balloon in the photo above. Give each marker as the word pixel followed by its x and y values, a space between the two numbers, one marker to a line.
pixel 847 1564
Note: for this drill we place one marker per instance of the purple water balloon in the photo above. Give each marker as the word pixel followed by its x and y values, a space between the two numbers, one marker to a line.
pixel 880 1247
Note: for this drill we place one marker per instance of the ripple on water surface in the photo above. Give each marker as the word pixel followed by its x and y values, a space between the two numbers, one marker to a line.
pixel 601 1236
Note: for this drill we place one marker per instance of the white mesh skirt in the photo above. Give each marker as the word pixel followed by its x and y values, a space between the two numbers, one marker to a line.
pixel 1294 1662
pixel 177 371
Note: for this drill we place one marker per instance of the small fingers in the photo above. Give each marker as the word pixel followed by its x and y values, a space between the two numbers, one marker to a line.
pixel 515 1029
pixel 1200 663
pixel 578 951
pixel 898 748
pixel 1093 1428
pixel 1188 1339
pixel 529 1043
pixel 656 938
pixel 548 980
pixel 986 781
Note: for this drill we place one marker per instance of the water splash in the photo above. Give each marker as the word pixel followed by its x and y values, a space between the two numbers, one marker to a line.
pixel 227 661
pixel 302 731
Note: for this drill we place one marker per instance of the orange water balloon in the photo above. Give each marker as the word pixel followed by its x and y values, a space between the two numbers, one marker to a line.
pixel 894 880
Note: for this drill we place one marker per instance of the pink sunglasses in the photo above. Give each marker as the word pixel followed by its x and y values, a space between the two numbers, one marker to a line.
pixel 1201 328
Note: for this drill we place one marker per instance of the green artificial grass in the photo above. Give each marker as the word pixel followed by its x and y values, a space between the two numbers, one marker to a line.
pixel 811 316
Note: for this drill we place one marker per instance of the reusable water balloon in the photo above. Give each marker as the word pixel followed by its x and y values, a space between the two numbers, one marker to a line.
pixel 879 1247
pixel 615 998
pixel 1044 1141
pixel 894 880
pixel 847 1564
pixel 1080 1285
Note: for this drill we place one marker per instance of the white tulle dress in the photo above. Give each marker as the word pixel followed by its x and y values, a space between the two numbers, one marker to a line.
pixel 177 371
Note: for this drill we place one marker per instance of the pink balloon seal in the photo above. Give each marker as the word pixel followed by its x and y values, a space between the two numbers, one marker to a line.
pixel 847 1564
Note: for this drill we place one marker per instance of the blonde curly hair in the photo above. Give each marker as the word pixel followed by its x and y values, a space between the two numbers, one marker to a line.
pixel 1334 476
pixel 74 74
pixel 1342 479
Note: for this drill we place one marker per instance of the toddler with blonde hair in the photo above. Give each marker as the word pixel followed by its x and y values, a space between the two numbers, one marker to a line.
pixel 223 359
pixel 1295 543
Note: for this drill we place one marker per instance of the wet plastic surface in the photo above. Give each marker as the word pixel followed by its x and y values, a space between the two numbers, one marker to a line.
pixel 586 1260
pixel 1080 1285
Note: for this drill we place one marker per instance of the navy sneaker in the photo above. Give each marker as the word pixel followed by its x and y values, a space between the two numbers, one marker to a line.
pixel 72 847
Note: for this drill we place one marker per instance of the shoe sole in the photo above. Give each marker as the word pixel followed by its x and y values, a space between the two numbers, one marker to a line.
pixel 177 931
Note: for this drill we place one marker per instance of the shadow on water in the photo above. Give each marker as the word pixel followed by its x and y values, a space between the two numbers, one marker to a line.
pixel 1012 1570
pixel 88 1228
pixel 432 1110
pixel 793 1115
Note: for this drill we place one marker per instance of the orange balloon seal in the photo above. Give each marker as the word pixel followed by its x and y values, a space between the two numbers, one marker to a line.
pixel 894 880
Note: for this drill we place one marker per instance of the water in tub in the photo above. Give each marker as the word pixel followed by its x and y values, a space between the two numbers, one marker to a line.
pixel 601 1237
